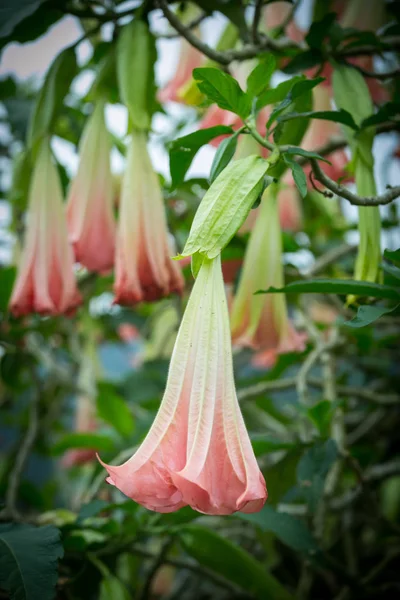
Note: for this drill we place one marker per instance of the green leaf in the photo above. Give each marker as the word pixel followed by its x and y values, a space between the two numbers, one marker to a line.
pixel 112 408
pixel 225 206
pixel 29 561
pixel 299 176
pixel 368 314
pixel 338 116
pixel 278 93
pixel 321 415
pixel 313 468
pixel 195 263
pixel 7 278
pixel 264 444
pixel 294 151
pixel 223 155
pixel 92 509
pixel 33 26
pixel 289 530
pixel 337 286
pixel 111 588
pixel 224 90
pixel 383 114
pixel 93 441
pixel 319 30
pixel 12 13
pixel 393 255
pixel 259 78
pixel 51 95
pixel 304 61
pixel 183 150
pixel 301 86
pixel 232 562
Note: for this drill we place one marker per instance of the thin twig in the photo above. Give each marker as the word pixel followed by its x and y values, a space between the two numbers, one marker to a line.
pixel 343 192
pixel 256 20
pixel 192 25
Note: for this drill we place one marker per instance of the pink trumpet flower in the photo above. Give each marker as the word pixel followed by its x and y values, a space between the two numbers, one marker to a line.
pixel 261 321
pixel 189 59
pixel 197 452
pixel 90 216
pixel 45 282
pixel 144 268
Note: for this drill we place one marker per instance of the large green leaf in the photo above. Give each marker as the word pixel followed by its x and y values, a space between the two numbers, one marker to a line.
pixel 259 78
pixel 51 96
pixel 288 529
pixel 302 86
pixel 112 408
pixel 232 562
pixel 13 12
pixel 29 561
pixel 224 90
pixel 183 150
pixel 338 116
pixel 278 93
pixel 337 286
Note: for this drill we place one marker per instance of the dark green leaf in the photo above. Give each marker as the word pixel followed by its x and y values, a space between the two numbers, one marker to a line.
pixel 223 156
pixel 224 90
pixel 112 408
pixel 92 509
pixel 299 88
pixel 264 444
pixel 294 150
pixel 259 78
pixel 304 61
pixel 368 314
pixel 183 150
pixel 93 441
pixel 337 286
pixel 35 25
pixel 111 588
pixel 338 116
pixel 7 277
pixel 51 95
pixel 319 30
pixel 232 562
pixel 12 13
pixel 288 529
pixel 393 255
pixel 313 468
pixel 29 561
pixel 383 114
pixel 299 176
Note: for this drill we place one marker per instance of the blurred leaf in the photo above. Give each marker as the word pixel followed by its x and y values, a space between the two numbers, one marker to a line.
pixel 233 563
pixel 7 277
pixel 112 589
pixel 180 517
pixel 304 61
pixel 264 444
pixel 368 314
pixel 223 89
pixel 112 408
pixel 298 174
pixel 319 30
pixel 336 286
pixel 29 561
pixel 183 150
pixel 313 468
pixel 93 441
pixel 260 76
pixel 34 25
pixel 223 156
pixel 338 116
pixel 8 87
pixel 393 255
pixel 278 93
pixel 12 13
pixel 321 415
pixel 12 367
pixel 51 95
pixel 92 509
pixel 289 530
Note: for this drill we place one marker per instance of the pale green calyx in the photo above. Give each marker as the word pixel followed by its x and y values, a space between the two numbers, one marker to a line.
pixel 225 206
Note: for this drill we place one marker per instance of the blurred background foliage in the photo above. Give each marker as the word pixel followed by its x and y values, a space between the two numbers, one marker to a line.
pixel 331 526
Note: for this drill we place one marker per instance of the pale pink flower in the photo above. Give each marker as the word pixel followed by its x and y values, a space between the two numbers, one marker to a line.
pixel 261 321
pixel 143 264
pixel 90 216
pixel 189 59
pixel 45 282
pixel 197 452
